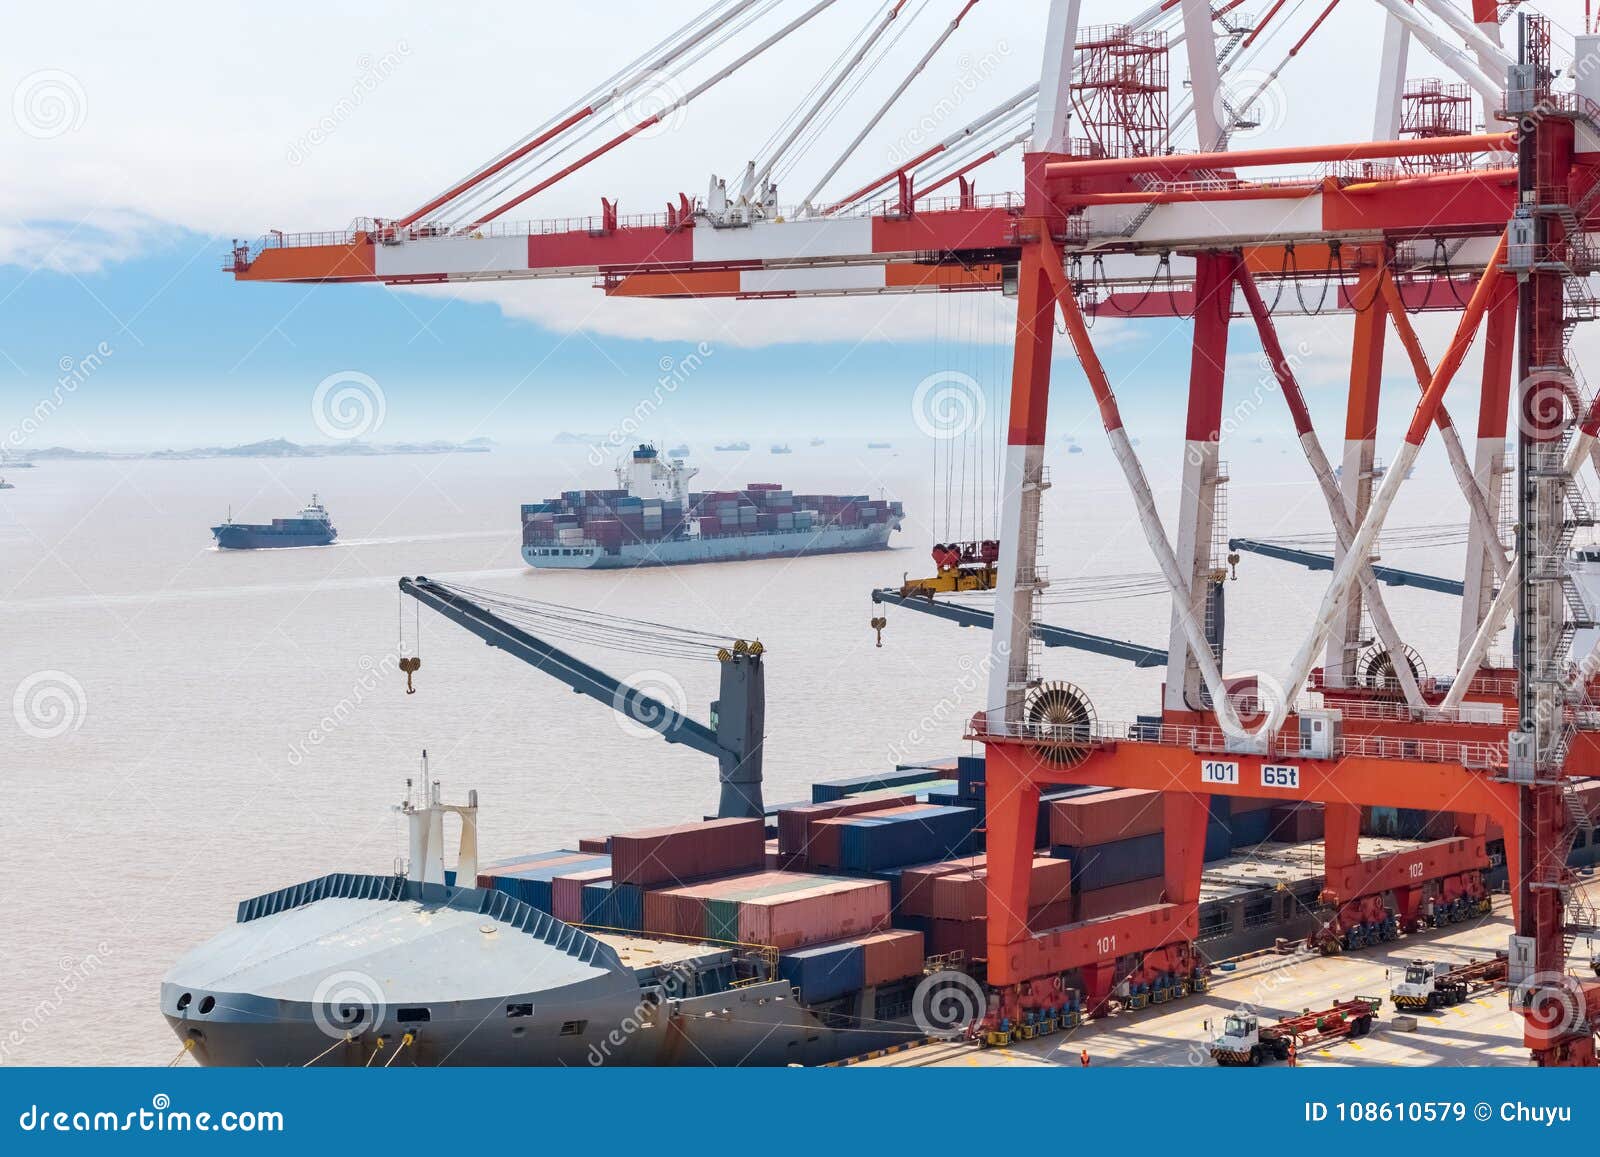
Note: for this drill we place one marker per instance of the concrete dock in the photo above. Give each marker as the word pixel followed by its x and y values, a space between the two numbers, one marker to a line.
pixel 1479 1032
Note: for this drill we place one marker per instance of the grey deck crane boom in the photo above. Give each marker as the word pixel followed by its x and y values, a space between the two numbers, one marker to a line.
pixel 733 737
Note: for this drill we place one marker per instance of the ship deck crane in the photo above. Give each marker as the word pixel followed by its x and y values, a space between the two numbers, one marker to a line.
pixel 734 735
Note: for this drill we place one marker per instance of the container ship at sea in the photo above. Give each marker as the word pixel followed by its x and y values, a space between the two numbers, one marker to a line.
pixel 311 527
pixel 652 519
pixel 817 932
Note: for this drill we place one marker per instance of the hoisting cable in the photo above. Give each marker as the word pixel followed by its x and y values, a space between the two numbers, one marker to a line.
pixel 894 97
pixel 596 628
pixel 528 166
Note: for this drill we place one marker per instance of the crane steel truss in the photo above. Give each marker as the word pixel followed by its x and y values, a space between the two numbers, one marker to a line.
pixel 1126 228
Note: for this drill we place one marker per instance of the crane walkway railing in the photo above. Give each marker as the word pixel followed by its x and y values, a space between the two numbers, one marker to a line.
pixel 424 230
pixel 1214 741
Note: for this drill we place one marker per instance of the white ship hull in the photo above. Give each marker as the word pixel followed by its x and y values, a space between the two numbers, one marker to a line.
pixel 588 555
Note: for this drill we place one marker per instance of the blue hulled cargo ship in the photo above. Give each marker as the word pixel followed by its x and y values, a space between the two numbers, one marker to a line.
pixel 652 519
pixel 311 527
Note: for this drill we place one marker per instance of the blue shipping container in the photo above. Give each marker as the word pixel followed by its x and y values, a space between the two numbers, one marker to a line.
pixel 837 789
pixel 531 885
pixel 1119 862
pixel 826 971
pixel 871 844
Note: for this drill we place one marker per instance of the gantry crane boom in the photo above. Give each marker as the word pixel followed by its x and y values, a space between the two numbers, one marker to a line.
pixel 733 738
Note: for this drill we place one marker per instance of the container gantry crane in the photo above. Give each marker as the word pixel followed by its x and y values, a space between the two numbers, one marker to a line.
pixel 1490 224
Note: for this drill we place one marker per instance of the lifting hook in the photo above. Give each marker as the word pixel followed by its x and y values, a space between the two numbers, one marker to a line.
pixel 878 623
pixel 410 665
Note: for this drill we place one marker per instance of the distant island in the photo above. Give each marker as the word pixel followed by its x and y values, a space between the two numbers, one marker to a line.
pixel 268 448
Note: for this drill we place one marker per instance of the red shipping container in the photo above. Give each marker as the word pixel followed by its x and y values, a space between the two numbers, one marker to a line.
pixel 794 823
pixel 566 893
pixel 829 912
pixel 914 882
pixel 1104 817
pixel 1118 898
pixel 599 845
pixel 1295 823
pixel 685 852
pixel 971 936
pixel 1242 805
pixel 892 955
pixel 964 893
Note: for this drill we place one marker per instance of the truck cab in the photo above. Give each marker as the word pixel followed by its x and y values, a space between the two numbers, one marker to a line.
pixel 1420 987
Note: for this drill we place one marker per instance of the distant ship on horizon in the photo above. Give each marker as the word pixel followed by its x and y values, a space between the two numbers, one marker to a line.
pixel 652 518
pixel 878 446
pixel 678 452
pixel 311 527
pixel 781 448
pixel 736 447
pixel 816 442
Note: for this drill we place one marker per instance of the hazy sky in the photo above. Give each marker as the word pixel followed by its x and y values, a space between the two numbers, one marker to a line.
pixel 142 138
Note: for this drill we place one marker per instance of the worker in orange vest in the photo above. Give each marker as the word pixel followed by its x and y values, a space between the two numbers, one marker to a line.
pixel 1293 1054
pixel 1083 1058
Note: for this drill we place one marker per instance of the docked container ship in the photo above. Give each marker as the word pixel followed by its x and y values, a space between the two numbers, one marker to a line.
pixel 801 938
pixel 311 527
pixel 652 518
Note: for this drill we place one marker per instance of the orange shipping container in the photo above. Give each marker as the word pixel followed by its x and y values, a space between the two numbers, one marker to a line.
pixel 891 956
pixel 830 912
pixel 1106 816
pixel 964 893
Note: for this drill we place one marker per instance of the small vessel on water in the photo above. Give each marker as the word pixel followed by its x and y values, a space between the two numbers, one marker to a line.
pixel 816 441
pixel 734 447
pixel 311 527
pixel 781 448
pixel 652 519
pixel 4 485
pixel 678 452
pixel 878 446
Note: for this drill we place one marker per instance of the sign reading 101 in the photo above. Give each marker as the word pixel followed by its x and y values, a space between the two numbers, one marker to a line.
pixel 1222 772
